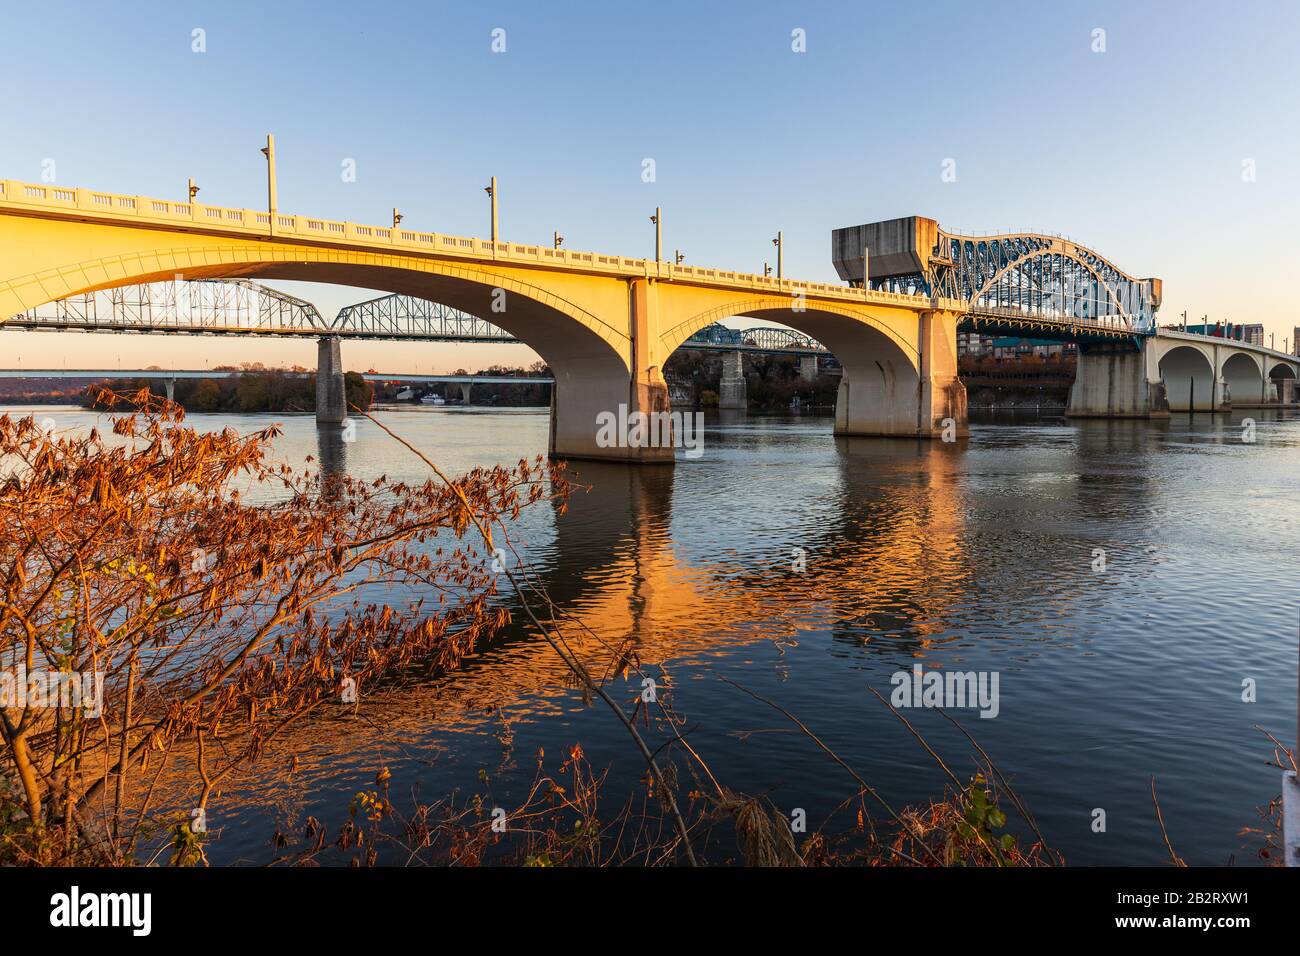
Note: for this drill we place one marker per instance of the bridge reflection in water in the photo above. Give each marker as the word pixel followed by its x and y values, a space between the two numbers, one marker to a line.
pixel 959 556
pixel 892 565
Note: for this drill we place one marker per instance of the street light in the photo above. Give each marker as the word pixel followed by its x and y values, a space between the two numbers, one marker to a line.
pixel 558 239
pixel 680 256
pixel 271 202
pixel 767 270
pixel 192 189
pixel 778 243
pixel 397 217
pixel 491 190
pixel 657 219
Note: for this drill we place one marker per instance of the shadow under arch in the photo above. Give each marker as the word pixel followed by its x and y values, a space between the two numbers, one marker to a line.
pixel 880 390
pixel 1189 379
pixel 1243 374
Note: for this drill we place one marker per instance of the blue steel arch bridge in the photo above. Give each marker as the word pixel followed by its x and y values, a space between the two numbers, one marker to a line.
pixel 1014 283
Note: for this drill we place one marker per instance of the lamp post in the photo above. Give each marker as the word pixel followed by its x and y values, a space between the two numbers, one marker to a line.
pixel 557 239
pixel 679 256
pixel 658 220
pixel 272 202
pixel 779 244
pixel 491 190
pixel 397 217
pixel 191 189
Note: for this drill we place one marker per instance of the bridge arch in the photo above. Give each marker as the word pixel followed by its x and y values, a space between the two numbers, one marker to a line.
pixel 1243 374
pixel 1282 378
pixel 1189 377
pixel 879 390
pixel 1016 265
pixel 560 330
pixel 827 317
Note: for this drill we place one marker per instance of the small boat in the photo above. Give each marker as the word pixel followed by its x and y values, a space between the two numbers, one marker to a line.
pixel 433 400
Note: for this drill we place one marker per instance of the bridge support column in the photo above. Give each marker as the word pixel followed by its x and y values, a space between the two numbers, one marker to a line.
pixel 331 395
pixel 732 390
pixel 1116 380
pixel 886 395
pixel 942 395
pixel 808 368
pixel 170 386
pixel 596 406
pixel 465 388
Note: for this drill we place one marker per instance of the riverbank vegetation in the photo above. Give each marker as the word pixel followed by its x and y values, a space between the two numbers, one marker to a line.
pixel 159 631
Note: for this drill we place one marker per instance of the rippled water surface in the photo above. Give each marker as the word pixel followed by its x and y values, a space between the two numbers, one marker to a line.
pixel 976 556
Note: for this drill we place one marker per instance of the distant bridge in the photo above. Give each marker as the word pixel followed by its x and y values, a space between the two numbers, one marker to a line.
pixel 241 307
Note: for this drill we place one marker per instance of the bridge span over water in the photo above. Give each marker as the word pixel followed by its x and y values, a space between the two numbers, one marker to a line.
pixel 606 324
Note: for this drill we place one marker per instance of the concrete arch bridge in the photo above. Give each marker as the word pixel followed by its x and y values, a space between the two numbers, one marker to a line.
pixel 605 324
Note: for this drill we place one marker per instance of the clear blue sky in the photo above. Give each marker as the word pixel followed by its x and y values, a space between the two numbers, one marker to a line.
pixel 1137 151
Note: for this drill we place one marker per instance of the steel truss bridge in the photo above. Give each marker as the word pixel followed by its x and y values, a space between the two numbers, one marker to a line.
pixel 241 307
pixel 209 307
pixel 1024 283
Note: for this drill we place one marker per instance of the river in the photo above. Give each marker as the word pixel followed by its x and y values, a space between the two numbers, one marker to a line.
pixel 812 569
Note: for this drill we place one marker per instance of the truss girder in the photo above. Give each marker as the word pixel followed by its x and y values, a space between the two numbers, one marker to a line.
pixel 404 316
pixel 194 305
pixel 1038 276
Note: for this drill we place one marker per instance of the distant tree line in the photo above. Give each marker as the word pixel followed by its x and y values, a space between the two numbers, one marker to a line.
pixel 255 389
pixel 772 381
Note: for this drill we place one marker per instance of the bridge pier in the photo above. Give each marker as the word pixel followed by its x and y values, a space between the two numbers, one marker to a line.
pixel 808 368
pixel 887 396
pixel 465 388
pixel 1116 380
pixel 732 391
pixel 331 394
pixel 170 386
pixel 598 403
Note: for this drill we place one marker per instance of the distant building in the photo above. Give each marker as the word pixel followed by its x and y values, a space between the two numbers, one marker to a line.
pixel 974 343
pixel 1295 341
pixel 1253 333
pixel 980 345
pixel 1012 348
